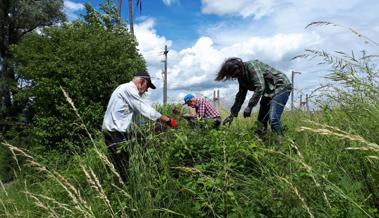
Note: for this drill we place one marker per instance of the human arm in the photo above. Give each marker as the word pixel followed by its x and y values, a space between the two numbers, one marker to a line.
pixel 259 86
pixel 240 98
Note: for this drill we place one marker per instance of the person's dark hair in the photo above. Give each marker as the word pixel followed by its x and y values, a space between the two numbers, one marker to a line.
pixel 230 69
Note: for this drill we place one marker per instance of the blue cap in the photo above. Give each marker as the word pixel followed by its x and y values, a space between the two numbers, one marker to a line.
pixel 187 98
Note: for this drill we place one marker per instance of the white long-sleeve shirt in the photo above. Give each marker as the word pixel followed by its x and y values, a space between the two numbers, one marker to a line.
pixel 124 107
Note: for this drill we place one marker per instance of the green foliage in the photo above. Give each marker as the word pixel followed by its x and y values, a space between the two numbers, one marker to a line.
pixel 19 17
pixel 88 59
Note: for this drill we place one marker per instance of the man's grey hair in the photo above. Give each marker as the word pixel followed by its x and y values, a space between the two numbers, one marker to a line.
pixel 138 78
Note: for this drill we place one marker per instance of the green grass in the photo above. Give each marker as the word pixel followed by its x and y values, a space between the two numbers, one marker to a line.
pixel 208 173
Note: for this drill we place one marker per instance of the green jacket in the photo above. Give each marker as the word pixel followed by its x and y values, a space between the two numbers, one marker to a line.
pixel 263 80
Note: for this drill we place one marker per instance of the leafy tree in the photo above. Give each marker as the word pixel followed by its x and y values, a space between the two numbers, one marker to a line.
pixel 17 18
pixel 88 59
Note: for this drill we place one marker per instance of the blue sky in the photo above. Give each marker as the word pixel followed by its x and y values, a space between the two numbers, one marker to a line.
pixel 201 34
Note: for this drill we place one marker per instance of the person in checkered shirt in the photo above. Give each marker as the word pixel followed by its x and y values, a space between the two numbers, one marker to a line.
pixel 204 110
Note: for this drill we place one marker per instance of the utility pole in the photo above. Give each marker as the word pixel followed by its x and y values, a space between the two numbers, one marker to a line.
pixel 165 76
pixel 119 8
pixel 307 101
pixel 131 16
pixel 293 87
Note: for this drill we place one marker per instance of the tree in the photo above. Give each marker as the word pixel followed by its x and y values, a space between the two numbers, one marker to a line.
pixel 17 18
pixel 89 59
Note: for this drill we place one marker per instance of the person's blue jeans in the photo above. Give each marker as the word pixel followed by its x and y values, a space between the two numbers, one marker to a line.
pixel 271 109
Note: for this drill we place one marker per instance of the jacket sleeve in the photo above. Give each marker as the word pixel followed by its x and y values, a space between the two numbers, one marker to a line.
pixel 259 86
pixel 240 98
pixel 138 104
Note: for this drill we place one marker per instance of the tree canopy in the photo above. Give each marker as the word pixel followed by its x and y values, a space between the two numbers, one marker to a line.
pixel 17 18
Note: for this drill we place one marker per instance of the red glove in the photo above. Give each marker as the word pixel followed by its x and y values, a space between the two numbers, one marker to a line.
pixel 172 122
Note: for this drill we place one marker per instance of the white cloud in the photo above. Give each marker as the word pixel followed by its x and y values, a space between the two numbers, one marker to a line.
pixel 71 9
pixel 275 40
pixel 70 5
pixel 170 2
pixel 193 69
pixel 244 8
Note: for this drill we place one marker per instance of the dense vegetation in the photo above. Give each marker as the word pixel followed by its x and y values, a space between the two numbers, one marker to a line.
pixel 89 57
pixel 327 165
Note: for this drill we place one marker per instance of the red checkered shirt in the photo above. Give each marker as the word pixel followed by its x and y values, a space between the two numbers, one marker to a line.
pixel 205 109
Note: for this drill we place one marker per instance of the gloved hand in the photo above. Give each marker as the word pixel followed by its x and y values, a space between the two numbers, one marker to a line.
pixel 172 122
pixel 228 120
pixel 247 111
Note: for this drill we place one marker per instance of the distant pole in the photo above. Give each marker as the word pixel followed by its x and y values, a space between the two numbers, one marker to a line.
pixel 131 17
pixel 307 102
pixel 165 76
pixel 293 87
pixel 119 8
pixel 301 102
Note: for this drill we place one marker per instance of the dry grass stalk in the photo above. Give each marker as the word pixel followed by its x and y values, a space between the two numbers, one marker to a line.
pixel 190 170
pixel 80 204
pixel 342 194
pixel 4 190
pixel 305 165
pixel 68 187
pixel 69 100
pixel 7 214
pixel 40 204
pixel 95 184
pixel 329 130
pixel 373 157
pixel 123 192
pixel 110 165
pixel 59 204
pixel 299 196
pixel 310 172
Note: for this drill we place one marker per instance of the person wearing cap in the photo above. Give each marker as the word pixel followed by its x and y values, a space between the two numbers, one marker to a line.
pixel 270 86
pixel 124 106
pixel 204 110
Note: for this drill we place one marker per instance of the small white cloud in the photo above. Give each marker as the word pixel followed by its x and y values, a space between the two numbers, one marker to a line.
pixel 244 8
pixel 170 2
pixel 73 6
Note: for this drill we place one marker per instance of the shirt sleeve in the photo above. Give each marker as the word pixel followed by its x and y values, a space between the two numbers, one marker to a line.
pixel 138 104
pixel 259 86
pixel 240 98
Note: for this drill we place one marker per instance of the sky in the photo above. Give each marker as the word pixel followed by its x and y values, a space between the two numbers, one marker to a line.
pixel 201 34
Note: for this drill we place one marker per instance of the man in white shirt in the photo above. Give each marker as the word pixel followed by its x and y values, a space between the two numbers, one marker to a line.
pixel 124 106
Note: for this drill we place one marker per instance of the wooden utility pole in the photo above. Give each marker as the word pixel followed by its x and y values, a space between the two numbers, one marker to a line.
pixel 307 101
pixel 293 87
pixel 165 76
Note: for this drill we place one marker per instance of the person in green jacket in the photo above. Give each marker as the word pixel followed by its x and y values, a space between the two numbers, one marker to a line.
pixel 269 85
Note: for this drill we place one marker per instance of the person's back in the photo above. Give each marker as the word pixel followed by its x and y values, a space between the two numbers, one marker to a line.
pixel 205 109
pixel 274 80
